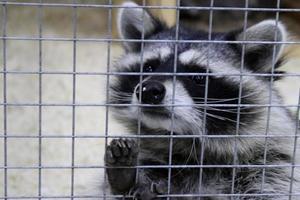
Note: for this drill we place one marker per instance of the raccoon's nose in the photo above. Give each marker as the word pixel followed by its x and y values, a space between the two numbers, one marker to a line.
pixel 153 92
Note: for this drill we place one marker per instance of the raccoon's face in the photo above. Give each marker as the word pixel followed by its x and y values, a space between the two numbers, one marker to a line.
pixel 207 92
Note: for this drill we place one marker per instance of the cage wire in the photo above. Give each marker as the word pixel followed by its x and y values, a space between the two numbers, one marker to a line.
pixel 106 135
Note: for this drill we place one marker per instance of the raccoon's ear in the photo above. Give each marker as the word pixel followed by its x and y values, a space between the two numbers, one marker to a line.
pixel 133 21
pixel 259 56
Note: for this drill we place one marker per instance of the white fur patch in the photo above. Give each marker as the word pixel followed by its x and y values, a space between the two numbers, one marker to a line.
pixel 190 56
pixel 164 52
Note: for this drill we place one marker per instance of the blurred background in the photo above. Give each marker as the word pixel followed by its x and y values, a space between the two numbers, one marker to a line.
pixel 57 55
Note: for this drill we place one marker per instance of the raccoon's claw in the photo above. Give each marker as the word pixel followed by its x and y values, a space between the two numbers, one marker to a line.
pixel 159 187
pixel 142 193
pixel 121 152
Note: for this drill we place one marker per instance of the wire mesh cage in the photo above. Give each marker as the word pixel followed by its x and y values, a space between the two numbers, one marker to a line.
pixel 191 100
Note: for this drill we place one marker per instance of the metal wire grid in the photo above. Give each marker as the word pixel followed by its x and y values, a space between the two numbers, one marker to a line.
pixel 5 104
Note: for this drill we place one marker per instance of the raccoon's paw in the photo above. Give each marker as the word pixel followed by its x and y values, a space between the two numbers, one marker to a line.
pixel 142 193
pixel 146 192
pixel 121 152
pixel 160 187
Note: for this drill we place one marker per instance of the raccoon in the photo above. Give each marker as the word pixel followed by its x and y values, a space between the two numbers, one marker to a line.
pixel 213 136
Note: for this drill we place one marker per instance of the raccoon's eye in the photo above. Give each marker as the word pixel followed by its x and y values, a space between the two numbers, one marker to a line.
pixel 148 68
pixel 198 79
pixel 151 65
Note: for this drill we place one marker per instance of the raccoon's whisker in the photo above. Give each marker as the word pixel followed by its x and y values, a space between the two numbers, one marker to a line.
pixel 195 151
pixel 201 113
pixel 229 108
pixel 224 118
pixel 121 97
pixel 192 153
pixel 220 117
pixel 229 99
pixel 234 112
pixel 119 93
